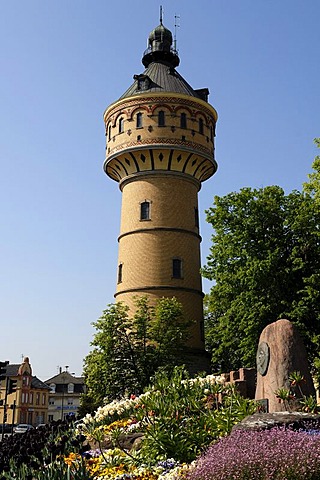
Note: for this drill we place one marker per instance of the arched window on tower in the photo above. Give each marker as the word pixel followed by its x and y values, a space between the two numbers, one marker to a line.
pixel 201 126
pixel 145 210
pixel 161 119
pixel 109 132
pixel 177 268
pixel 183 120
pixel 139 120
pixel 121 125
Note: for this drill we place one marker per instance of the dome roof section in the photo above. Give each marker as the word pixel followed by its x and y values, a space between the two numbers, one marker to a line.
pixel 161 34
pixel 160 48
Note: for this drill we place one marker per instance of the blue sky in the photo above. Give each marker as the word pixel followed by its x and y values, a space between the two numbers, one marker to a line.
pixel 62 63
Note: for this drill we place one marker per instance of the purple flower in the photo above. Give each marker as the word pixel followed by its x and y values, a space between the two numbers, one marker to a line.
pixel 276 454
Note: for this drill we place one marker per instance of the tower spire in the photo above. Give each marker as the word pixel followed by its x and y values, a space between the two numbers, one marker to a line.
pixel 160 14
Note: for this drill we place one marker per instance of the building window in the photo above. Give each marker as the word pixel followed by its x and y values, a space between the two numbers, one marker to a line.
pixel 51 402
pixel 53 387
pixel 121 125
pixel 139 120
pixel 201 126
pixel 43 399
pixel 176 268
pixel 70 401
pixel 196 217
pixel 120 272
pixel 25 381
pixel 183 120
pixel 145 210
pixel 143 81
pixel 31 398
pixel 37 398
pixel 50 418
pixel 70 387
pixel 161 118
pixel 212 133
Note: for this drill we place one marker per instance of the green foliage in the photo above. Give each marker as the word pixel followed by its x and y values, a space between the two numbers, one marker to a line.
pixel 127 351
pixel 265 264
pixel 293 397
pixel 180 416
pixel 313 186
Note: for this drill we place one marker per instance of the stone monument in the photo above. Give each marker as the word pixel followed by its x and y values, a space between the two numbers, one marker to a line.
pixel 280 352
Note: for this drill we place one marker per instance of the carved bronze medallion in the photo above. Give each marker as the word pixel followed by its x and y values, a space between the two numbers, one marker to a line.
pixel 263 357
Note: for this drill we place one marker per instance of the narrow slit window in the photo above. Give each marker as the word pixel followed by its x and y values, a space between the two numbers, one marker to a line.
pixel 145 210
pixel 196 217
pixel 120 268
pixel 176 268
pixel 121 126
pixel 161 118
pixel 139 120
pixel 183 120
pixel 211 133
pixel 201 126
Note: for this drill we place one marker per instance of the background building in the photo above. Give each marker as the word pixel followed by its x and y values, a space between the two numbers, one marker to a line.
pixel 64 396
pixel 23 397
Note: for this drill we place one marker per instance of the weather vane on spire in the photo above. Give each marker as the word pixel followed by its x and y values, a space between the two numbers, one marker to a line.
pixel 176 25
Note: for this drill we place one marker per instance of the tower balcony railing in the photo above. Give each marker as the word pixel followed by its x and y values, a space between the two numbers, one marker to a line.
pixel 160 48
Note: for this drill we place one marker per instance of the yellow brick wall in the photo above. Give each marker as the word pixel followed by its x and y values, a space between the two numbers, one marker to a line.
pixel 173 200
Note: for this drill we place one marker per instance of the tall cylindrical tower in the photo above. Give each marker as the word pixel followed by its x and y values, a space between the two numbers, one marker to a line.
pixel 160 147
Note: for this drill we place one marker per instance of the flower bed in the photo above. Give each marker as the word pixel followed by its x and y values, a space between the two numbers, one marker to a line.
pixel 276 454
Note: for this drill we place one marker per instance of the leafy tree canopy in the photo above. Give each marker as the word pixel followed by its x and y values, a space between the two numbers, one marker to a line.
pixel 265 265
pixel 128 351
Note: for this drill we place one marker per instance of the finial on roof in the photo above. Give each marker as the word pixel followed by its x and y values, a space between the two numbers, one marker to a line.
pixel 160 47
pixel 25 367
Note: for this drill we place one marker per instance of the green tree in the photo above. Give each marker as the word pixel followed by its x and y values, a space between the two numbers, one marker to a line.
pixel 265 264
pixel 313 185
pixel 128 351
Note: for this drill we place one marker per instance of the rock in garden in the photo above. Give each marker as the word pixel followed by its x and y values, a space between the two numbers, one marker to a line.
pixel 280 352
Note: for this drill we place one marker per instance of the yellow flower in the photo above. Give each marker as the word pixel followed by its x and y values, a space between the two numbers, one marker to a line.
pixel 72 458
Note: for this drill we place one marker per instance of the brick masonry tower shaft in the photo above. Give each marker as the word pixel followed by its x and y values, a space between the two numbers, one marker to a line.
pixel 160 147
